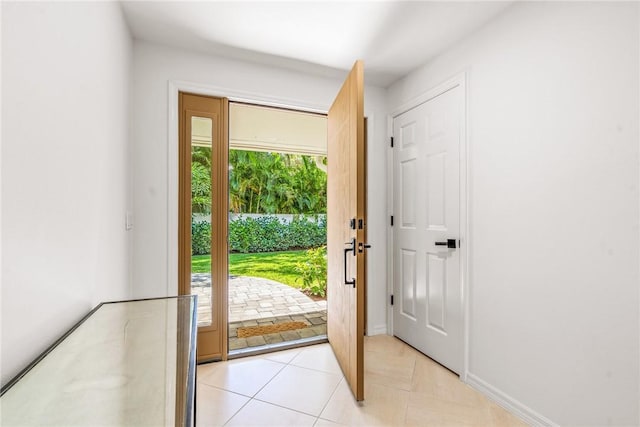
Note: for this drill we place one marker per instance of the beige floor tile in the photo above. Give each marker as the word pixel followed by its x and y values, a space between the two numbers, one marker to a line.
pixel 326 423
pixel 429 376
pixel 432 379
pixel 244 376
pixel 402 387
pixel 300 389
pixel 384 344
pixel 318 357
pixel 383 406
pixel 256 413
pixel 439 398
pixel 429 410
pixel 215 406
pixel 284 356
pixel 500 417
pixel 390 369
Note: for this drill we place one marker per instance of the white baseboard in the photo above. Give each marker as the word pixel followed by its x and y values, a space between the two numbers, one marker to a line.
pixel 520 410
pixel 377 330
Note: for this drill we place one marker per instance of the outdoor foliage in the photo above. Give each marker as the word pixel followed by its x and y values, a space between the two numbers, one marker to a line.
pixel 313 271
pixel 304 232
pixel 276 183
pixel 262 183
pixel 200 238
pixel 201 180
pixel 264 234
pixel 269 234
pixel 278 266
pixel 284 267
pixel 267 183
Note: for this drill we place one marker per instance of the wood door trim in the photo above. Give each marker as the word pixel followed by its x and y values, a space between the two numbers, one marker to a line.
pixel 365 218
pixel 212 338
pixel 184 207
pixel 174 88
pixel 361 236
pixel 223 226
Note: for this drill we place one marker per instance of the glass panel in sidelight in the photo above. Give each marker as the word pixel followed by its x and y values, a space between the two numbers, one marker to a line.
pixel 201 142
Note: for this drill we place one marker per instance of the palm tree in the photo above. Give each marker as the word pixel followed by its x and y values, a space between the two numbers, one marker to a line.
pixel 262 182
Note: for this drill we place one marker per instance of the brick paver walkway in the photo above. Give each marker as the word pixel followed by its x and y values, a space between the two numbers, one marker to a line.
pixel 257 301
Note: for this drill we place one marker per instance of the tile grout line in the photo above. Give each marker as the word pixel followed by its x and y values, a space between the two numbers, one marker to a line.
pixel 331 397
pixel 300 367
pixel 319 371
pixel 232 392
pixel 274 404
pixel 236 413
pixel 225 390
pixel 284 365
pixel 477 410
pixel 286 407
pixel 253 396
pixel 413 372
pixel 313 369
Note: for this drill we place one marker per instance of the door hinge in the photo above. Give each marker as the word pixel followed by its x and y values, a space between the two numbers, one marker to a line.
pixel 391 142
pixel 391 299
pixel 392 220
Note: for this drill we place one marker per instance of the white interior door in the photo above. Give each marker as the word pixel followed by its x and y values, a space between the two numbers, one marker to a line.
pixel 427 311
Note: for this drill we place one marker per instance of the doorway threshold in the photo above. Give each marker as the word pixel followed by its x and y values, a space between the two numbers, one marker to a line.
pixel 269 348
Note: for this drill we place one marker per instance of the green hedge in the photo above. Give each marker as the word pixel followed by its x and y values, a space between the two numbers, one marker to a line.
pixel 264 234
pixel 200 238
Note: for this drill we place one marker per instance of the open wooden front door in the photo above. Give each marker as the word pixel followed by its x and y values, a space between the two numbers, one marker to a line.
pixel 346 222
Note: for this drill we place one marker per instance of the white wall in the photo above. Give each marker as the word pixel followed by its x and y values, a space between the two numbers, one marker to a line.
pixel 65 186
pixel 554 173
pixel 154 67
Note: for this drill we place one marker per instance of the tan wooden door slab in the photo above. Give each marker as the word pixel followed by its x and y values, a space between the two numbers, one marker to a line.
pixel 346 223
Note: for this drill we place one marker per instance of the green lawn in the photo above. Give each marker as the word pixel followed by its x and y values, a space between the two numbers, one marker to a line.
pixel 278 266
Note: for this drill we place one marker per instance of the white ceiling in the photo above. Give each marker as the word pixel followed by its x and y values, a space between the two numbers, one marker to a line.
pixel 319 37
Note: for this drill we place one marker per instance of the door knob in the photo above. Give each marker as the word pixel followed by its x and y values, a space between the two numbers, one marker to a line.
pixel 450 243
pixel 363 246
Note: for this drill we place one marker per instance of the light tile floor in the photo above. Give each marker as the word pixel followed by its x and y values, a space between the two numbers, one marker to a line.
pixel 305 387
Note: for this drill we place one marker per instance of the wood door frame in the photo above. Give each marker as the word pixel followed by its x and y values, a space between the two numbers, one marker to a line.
pixel 460 80
pixel 174 87
pixel 212 338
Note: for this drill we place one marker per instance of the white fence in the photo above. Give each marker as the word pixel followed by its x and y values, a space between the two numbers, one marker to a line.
pixel 284 218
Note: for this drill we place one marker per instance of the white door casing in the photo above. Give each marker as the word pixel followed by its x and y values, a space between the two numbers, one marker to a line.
pixel 427 278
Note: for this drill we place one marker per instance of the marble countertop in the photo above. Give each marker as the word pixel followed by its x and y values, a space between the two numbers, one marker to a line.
pixel 120 366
